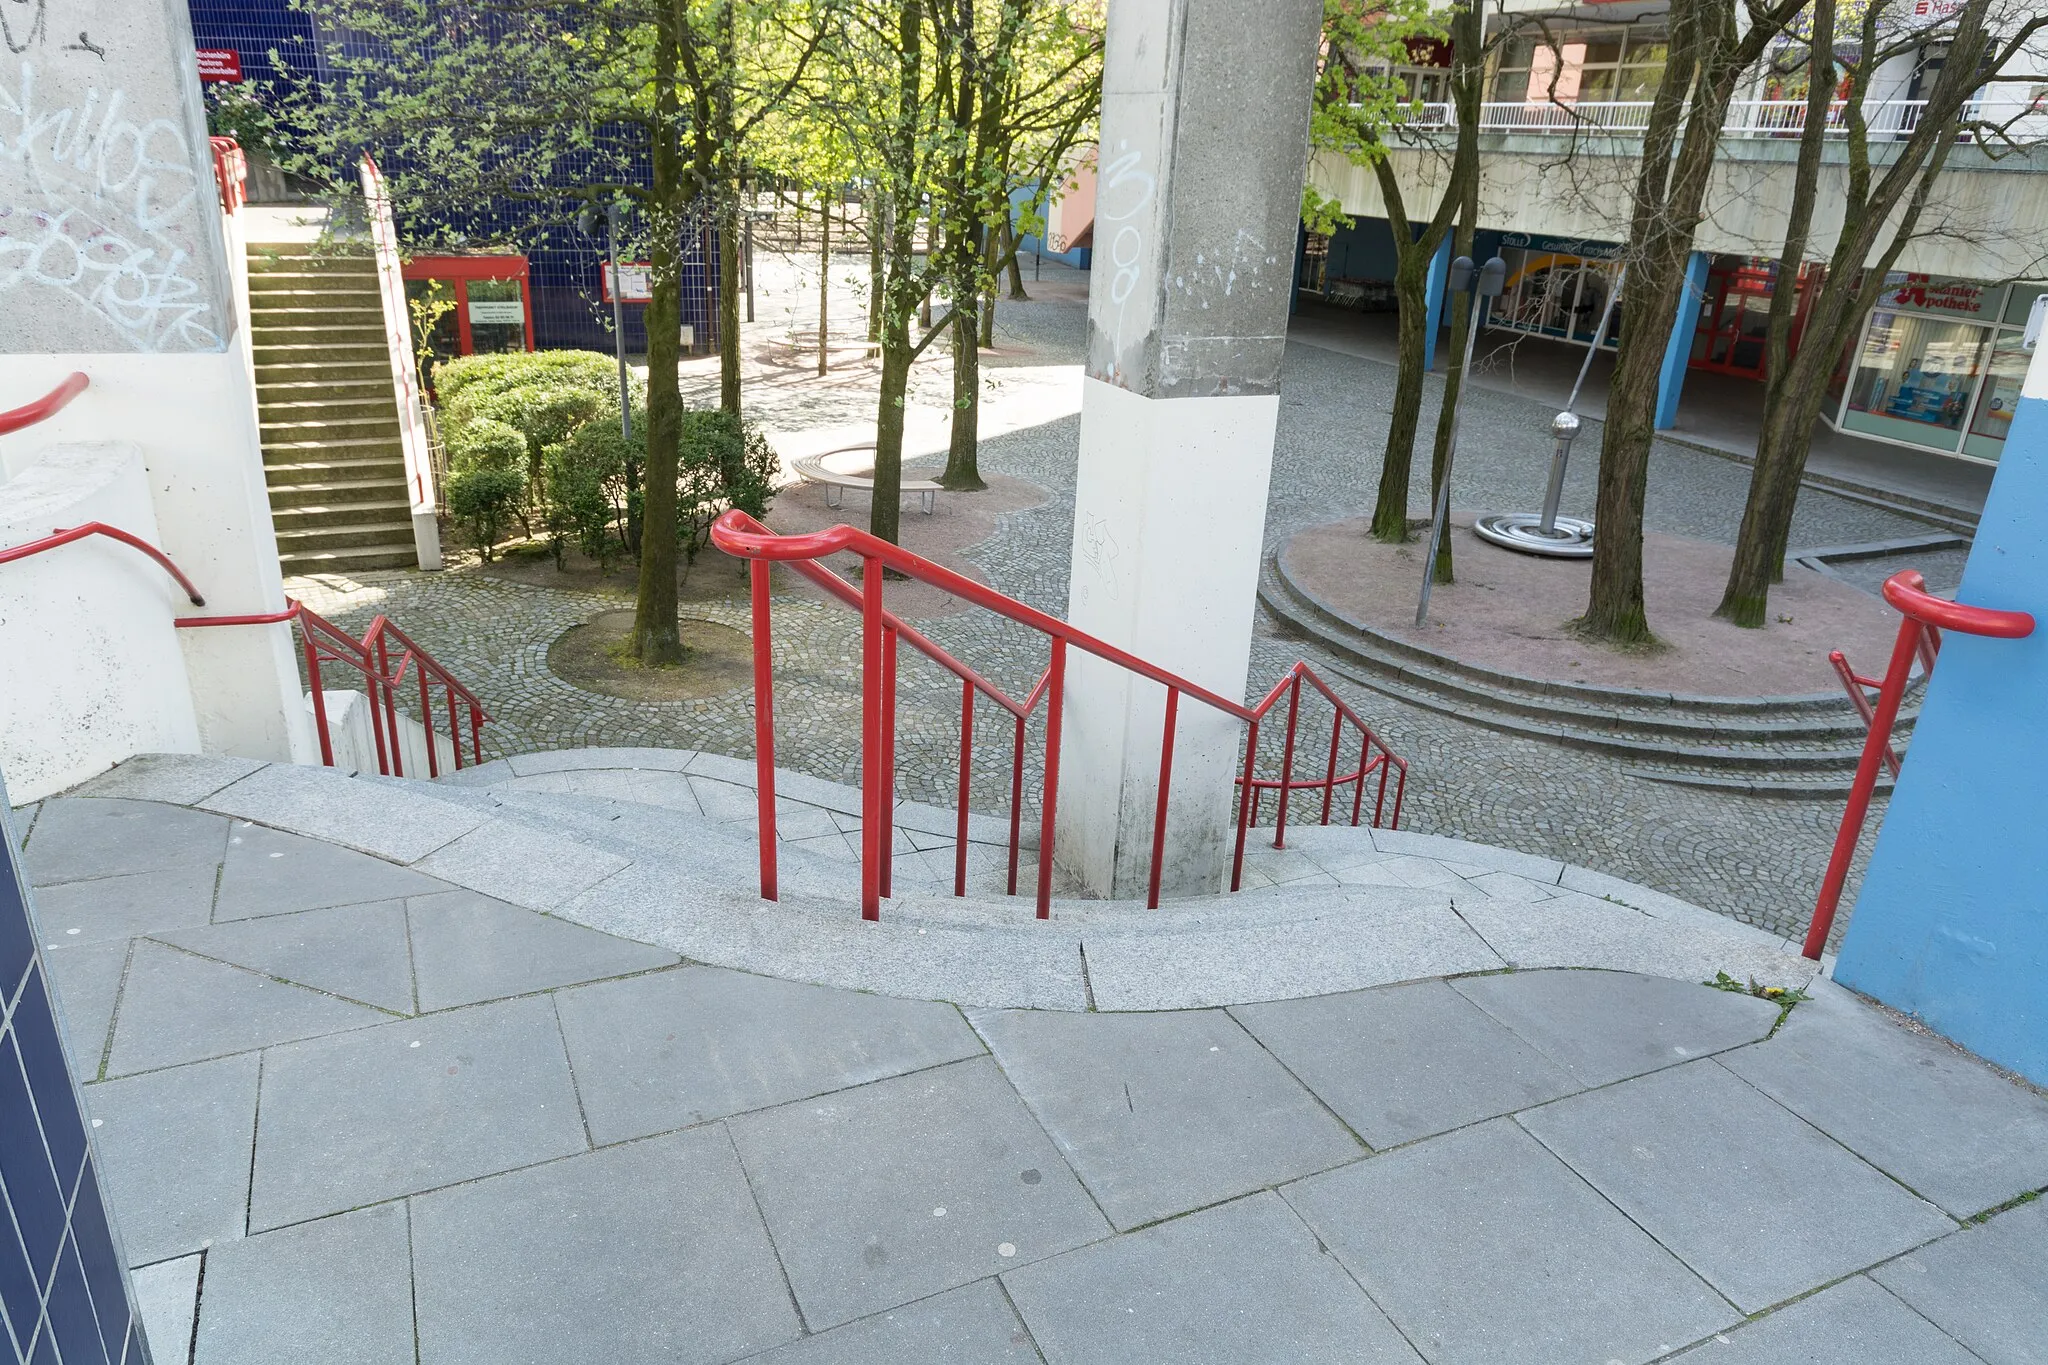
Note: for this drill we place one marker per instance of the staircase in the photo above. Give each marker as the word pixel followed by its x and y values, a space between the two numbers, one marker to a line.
pixel 331 451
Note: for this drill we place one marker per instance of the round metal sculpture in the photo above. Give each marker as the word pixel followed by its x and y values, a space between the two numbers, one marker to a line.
pixel 1567 538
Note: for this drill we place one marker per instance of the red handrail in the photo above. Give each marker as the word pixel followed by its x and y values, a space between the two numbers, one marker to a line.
pixel 49 405
pixel 66 536
pixel 1921 613
pixel 744 537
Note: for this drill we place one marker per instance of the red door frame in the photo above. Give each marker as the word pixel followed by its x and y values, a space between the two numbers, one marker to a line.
pixel 1729 285
pixel 460 270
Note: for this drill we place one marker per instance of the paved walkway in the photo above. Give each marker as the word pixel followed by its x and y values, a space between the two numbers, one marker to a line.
pixel 352 1112
pixel 1758 860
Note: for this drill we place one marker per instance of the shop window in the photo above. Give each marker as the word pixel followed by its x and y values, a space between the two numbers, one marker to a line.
pixel 497 316
pixel 1592 65
pixel 1555 295
pixel 2003 376
pixel 1915 379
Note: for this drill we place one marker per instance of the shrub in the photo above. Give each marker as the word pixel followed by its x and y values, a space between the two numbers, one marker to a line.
pixel 480 374
pixel 486 443
pixel 722 462
pixel 482 500
pixel 592 481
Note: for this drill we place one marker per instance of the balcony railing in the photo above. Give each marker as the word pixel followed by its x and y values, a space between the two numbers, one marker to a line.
pixel 1885 119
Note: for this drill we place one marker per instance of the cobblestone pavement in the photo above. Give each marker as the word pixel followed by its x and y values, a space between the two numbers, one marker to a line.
pixel 432 1127
pixel 1757 859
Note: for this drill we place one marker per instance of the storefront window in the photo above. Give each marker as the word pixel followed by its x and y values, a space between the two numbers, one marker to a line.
pixel 1554 294
pixel 2002 380
pixel 497 316
pixel 1915 379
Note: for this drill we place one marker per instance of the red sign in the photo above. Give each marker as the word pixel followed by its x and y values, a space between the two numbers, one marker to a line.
pixel 1935 294
pixel 218 64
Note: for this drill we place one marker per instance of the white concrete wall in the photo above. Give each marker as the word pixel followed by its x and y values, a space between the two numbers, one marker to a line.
pixel 90 665
pixel 352 733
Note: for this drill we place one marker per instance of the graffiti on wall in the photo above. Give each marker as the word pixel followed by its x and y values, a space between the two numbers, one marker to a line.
pixel 101 189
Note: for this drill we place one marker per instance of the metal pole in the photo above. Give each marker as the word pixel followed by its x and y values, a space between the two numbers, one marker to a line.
pixel 611 237
pixel 750 265
pixel 1565 426
pixel 1489 285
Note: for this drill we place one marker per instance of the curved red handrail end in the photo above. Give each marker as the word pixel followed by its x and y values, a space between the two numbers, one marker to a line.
pixel 66 535
pixel 1907 591
pixel 49 405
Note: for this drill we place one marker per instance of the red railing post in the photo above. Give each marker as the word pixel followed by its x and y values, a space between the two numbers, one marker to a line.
pixel 319 693
pixel 1016 802
pixel 764 728
pixel 427 726
pixel 888 834
pixel 1055 703
pixel 872 849
pixel 966 773
pixel 1287 764
pixel 1244 803
pixel 454 725
pixel 1365 759
pixel 1159 807
pixel 1330 774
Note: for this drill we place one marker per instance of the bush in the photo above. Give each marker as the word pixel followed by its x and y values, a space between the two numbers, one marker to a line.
pixel 483 499
pixel 592 481
pixel 722 462
pixel 486 443
pixel 481 374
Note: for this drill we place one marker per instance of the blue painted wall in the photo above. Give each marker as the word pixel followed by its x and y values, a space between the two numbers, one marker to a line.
pixel 1678 350
pixel 1951 925
pixel 63 1286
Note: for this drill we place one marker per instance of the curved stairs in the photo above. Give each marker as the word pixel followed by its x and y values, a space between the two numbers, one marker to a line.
pixel 1792 746
pixel 658 845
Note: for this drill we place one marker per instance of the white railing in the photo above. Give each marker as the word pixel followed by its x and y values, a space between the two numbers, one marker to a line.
pixel 412 427
pixel 1630 118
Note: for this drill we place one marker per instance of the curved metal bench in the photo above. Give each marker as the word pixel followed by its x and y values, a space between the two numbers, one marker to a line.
pixel 813 469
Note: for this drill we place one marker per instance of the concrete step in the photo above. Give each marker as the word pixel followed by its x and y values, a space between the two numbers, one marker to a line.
pixel 341 314
pixel 305 563
pixel 293 259
pixel 343 359
pixel 385 471
pixel 288 402
pixel 313 494
pixel 342 427
pixel 378 509
pixel 267 337
pixel 362 533
pixel 292 369
pixel 298 452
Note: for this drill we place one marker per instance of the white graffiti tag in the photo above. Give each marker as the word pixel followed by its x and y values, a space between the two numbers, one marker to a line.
pixel 94 204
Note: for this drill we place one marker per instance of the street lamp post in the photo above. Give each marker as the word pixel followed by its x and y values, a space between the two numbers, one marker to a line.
pixel 1490 277
pixel 587 221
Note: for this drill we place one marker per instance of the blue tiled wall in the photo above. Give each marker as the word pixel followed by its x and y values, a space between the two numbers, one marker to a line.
pixel 63 1291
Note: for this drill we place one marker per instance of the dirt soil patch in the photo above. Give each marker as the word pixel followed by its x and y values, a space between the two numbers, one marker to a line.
pixel 717 659
pixel 1510 611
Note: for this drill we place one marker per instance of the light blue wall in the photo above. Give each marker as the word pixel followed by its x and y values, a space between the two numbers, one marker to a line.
pixel 1433 301
pixel 1028 244
pixel 1952 922
pixel 1678 350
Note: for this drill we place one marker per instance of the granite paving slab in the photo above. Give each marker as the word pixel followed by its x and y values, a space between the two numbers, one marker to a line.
pixel 370 817
pixel 516 862
pixel 78 838
pixel 177 1007
pixel 271 872
pixel 1607 1026
pixel 167 1301
pixel 1404 1062
pixel 104 909
pixel 1984 1285
pixel 650 1253
pixel 1575 930
pixel 88 981
pixel 971 1325
pixel 1485 1249
pixel 336 1290
pixel 1163 1113
pixel 174 1150
pixel 1853 1322
pixel 409 1106
pixel 181 779
pixel 670 1049
pixel 1760 1204
pixel 1243 1282
pixel 1932 1117
pixel 890 1192
pixel 358 952
pixel 468 947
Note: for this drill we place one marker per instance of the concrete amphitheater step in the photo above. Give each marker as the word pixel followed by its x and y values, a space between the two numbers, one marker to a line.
pixel 1801 745
pixel 1342 908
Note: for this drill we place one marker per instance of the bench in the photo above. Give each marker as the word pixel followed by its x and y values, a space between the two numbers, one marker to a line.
pixel 816 469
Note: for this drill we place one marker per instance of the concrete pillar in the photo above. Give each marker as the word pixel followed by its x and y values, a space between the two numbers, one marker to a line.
pixel 1204 144
pixel 1678 350
pixel 1949 925
pixel 115 261
pixel 1433 301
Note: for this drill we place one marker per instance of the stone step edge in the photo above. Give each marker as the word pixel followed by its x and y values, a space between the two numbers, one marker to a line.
pixel 1032 965
pixel 1299 607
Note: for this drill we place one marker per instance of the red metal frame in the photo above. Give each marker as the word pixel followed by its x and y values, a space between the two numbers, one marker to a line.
pixel 460 270
pixel 1922 614
pixel 742 536
pixel 230 172
pixel 100 528
pixel 48 406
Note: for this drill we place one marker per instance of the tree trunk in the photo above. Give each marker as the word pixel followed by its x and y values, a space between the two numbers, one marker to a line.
pixel 729 300
pixel 1465 90
pixel 987 309
pixel 877 226
pixel 656 638
pixel 1016 269
pixel 884 512
pixel 902 286
pixel 963 473
pixel 1390 511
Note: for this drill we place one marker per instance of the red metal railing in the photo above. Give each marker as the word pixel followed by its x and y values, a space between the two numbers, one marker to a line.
pixel 1859 687
pixel 230 172
pixel 883 631
pixel 65 536
pixel 1923 615
pixel 49 405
